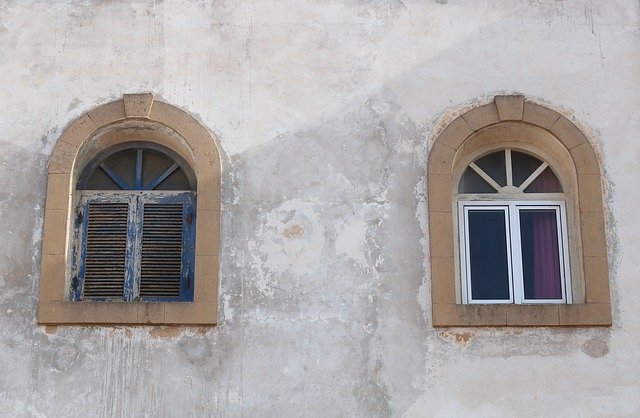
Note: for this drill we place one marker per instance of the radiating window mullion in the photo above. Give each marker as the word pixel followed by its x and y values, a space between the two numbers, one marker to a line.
pixel 115 177
pixel 138 171
pixel 509 167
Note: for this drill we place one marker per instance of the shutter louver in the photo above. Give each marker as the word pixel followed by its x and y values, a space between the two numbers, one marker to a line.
pixel 106 246
pixel 161 261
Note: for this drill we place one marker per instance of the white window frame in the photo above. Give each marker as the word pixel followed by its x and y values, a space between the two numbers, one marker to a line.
pixel 512 210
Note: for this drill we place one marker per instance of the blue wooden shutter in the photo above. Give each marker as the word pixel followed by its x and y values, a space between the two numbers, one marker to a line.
pixel 166 247
pixel 104 250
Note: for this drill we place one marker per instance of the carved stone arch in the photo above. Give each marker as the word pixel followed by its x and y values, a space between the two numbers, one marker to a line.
pixel 136 117
pixel 512 121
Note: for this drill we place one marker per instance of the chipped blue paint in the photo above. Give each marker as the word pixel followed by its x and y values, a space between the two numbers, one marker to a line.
pixel 135 228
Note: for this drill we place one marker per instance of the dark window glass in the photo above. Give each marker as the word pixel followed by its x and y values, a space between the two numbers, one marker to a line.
pixel 175 181
pixel 494 165
pixel 123 163
pixel 540 254
pixel 471 182
pixel 523 166
pixel 99 180
pixel 546 182
pixel 154 165
pixel 488 255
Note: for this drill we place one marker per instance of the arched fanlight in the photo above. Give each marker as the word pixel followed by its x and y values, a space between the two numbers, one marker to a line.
pixel 509 172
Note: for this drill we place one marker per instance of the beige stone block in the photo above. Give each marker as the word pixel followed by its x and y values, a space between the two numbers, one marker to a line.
pixel 137 105
pixel 78 131
pixel 209 195
pixel 585 314
pixel 443 287
pixel 199 138
pixel 590 193
pixel 197 313
pixel 539 115
pixel 585 159
pixel 440 159
pixel 450 315
pixel 52 277
pixel 62 158
pixel 58 191
pixel 209 191
pixel 206 278
pixel 568 133
pixel 439 195
pixel 207 232
pixel 593 236
pixel 441 234
pixel 88 313
pixel 108 113
pixel 482 116
pixel 55 231
pixel 532 315
pixel 173 117
pixel 596 272
pixel 151 313
pixel 510 107
pixel 455 133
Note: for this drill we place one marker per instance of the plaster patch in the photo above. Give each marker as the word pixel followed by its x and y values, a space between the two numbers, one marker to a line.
pixel 64 357
pixel 196 349
pixel 460 339
pixel 595 348
pixel 292 238
pixel 351 240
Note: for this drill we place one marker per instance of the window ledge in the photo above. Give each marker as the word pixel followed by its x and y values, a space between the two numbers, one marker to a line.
pixel 583 314
pixel 126 313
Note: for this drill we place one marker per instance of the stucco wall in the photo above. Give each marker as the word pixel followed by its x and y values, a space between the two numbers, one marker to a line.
pixel 324 112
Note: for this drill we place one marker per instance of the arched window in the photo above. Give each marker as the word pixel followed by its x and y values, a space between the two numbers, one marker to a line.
pixel 513 235
pixel 516 220
pixel 135 231
pixel 124 241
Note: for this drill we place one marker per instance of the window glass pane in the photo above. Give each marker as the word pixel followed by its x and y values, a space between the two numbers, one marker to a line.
pixel 540 254
pixel 546 182
pixel 175 181
pixel 124 165
pixel 99 180
pixel 523 166
pixel 471 182
pixel 494 166
pixel 488 255
pixel 153 165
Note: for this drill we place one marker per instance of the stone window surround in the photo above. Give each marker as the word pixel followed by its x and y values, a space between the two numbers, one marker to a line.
pixel 510 121
pixel 137 117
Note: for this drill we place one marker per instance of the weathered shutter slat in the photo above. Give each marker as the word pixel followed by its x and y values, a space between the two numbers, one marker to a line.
pixel 162 242
pixel 105 250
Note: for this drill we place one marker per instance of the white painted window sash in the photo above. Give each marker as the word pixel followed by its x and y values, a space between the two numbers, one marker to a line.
pixel 514 250
pixel 463 210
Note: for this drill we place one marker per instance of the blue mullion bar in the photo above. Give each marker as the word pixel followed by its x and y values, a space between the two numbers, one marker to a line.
pixel 132 268
pixel 163 176
pixel 119 181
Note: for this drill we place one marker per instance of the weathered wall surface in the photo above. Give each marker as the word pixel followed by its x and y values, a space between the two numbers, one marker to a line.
pixel 324 112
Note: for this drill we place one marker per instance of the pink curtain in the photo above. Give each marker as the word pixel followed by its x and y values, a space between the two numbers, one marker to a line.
pixel 546 261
